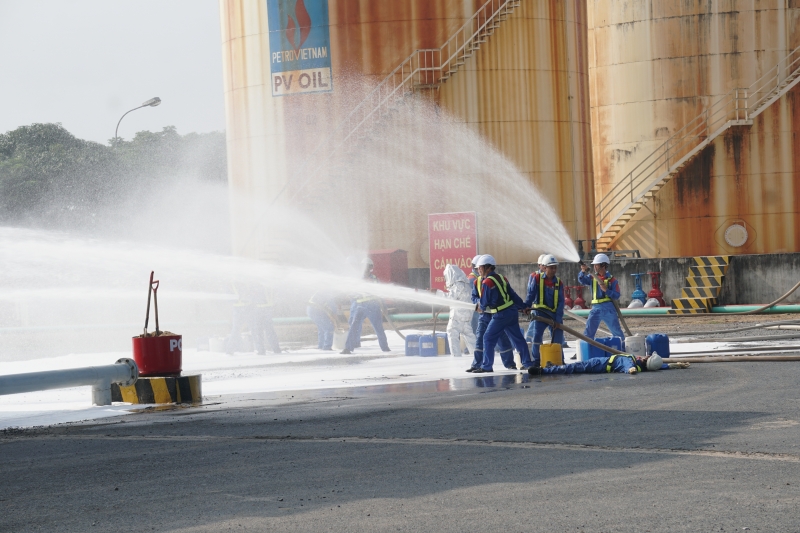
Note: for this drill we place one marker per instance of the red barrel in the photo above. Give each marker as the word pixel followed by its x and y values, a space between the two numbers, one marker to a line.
pixel 158 356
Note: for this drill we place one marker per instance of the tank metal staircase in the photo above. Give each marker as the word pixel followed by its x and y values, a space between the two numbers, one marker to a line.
pixel 423 70
pixel 704 284
pixel 736 108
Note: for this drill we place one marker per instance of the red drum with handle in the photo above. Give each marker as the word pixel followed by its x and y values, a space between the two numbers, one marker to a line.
pixel 158 356
pixel 160 353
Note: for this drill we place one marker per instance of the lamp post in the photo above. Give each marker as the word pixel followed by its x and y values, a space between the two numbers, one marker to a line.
pixel 153 102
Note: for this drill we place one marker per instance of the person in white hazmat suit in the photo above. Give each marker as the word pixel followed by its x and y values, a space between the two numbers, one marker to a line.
pixel 459 288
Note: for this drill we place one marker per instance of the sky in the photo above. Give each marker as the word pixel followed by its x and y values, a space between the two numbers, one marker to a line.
pixel 84 63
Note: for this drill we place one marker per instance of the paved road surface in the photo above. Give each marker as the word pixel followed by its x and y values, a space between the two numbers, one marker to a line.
pixel 712 448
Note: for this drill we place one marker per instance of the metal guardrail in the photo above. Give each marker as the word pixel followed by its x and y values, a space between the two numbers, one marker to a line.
pixel 124 371
pixel 738 106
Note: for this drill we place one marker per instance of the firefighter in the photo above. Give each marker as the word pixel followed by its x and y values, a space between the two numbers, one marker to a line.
pixel 605 288
pixel 502 304
pixel 546 298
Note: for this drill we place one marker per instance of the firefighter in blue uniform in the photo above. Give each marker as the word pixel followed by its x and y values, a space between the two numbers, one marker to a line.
pixel 604 288
pixel 503 344
pixel 365 306
pixel 322 311
pixel 502 304
pixel 546 297
pixel 621 363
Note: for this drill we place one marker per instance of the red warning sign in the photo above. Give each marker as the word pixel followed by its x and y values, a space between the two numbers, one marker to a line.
pixel 453 239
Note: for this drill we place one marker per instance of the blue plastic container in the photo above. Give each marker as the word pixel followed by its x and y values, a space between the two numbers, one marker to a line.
pixel 658 343
pixel 428 346
pixel 412 344
pixel 586 351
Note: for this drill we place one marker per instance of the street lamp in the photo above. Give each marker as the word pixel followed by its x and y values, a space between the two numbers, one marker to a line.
pixel 153 102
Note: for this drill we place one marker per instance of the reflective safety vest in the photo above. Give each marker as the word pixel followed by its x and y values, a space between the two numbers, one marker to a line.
pixel 541 304
pixel 611 361
pixel 596 300
pixel 367 297
pixel 503 288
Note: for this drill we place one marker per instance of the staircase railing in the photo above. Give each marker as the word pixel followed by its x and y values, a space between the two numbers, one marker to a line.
pixel 423 69
pixel 737 106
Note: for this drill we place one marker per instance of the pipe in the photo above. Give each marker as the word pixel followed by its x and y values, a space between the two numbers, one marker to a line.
pixel 742 339
pixel 582 321
pixel 767 325
pixel 751 309
pixel 124 371
pixel 733 359
pixel 747 349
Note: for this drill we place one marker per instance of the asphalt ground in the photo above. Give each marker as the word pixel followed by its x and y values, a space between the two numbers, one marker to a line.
pixel 711 448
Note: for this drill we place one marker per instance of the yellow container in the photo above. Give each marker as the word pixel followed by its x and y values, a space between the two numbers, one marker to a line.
pixel 551 353
pixel 441 344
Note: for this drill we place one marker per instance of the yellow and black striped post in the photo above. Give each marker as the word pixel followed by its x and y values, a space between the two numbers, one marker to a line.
pixel 182 389
pixel 704 285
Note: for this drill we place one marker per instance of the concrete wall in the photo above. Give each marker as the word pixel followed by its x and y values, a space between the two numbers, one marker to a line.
pixel 751 279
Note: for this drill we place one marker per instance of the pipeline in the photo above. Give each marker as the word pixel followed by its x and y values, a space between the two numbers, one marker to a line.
pixel 766 325
pixel 733 359
pixel 124 371
pixel 742 339
pixel 747 349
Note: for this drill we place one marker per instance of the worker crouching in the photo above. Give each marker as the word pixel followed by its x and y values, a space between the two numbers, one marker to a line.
pixel 605 288
pixel 546 298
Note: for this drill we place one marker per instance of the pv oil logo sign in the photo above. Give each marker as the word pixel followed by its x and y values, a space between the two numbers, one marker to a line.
pixel 300 44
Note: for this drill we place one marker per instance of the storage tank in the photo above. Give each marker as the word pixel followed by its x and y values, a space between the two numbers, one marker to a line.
pixel 667 78
pixel 524 90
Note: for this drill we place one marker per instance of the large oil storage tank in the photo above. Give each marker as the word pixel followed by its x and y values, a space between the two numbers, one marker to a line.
pixel 523 87
pixel 695 125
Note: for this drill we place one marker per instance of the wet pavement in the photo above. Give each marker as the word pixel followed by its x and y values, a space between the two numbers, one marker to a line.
pixel 711 448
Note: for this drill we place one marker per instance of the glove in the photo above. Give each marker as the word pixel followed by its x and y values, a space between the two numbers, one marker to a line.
pixel 678 365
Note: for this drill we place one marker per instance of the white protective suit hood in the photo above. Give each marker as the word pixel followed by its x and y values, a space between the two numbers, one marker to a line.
pixel 453 274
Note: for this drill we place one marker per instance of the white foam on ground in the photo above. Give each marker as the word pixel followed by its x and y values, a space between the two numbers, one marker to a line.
pixel 244 373
pixel 232 374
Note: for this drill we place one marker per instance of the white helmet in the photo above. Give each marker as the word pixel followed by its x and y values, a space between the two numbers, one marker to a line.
pixel 486 260
pixel 367 262
pixel 475 260
pixel 539 261
pixel 654 362
pixel 599 259
pixel 548 260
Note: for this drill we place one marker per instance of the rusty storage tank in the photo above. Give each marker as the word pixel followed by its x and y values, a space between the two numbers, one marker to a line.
pixel 694 125
pixel 525 89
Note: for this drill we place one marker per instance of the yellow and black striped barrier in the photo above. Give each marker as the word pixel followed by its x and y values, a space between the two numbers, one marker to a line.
pixel 182 389
pixel 704 285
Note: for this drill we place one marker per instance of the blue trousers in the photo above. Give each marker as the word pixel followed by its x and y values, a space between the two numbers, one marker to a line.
pixel 604 312
pixel 474 322
pixel 259 320
pixel 262 329
pixel 371 310
pixel 505 321
pixel 538 334
pixel 353 306
pixel 595 365
pixel 503 344
pixel 324 327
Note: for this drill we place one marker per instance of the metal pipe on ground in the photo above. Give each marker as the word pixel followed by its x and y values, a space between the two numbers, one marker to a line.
pixel 740 339
pixel 124 371
pixel 734 359
pixel 767 325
